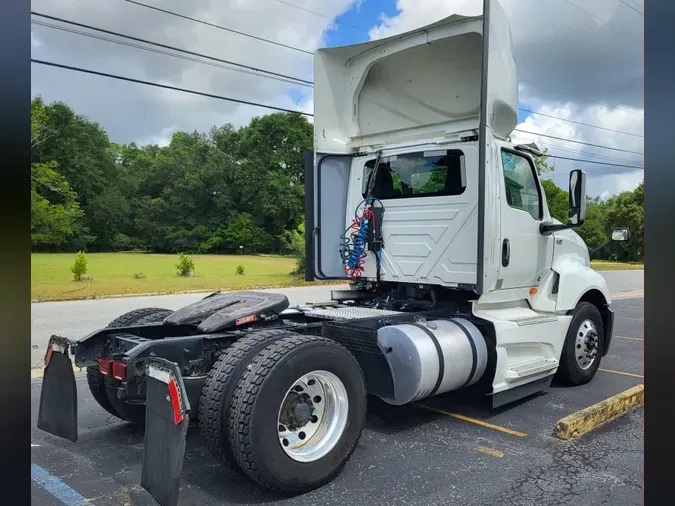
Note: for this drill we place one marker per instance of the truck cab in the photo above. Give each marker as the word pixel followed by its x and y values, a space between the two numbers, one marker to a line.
pixel 458 210
pixel 460 279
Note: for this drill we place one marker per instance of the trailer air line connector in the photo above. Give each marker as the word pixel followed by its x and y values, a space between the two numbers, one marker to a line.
pixel 365 230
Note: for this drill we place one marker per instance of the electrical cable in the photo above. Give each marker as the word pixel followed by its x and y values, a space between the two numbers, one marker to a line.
pixel 172 48
pixel 244 102
pixel 557 92
pixel 579 122
pixel 596 162
pixel 165 86
pixel 321 15
pixel 243 34
pixel 578 142
pixel 253 70
pixel 631 7
pixel 556 146
pixel 353 250
pixel 159 51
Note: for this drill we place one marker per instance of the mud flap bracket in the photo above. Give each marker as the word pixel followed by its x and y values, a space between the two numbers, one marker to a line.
pixel 166 424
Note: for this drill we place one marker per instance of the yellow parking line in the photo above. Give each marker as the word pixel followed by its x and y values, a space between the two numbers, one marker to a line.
pixel 622 373
pixel 631 338
pixel 489 451
pixel 473 420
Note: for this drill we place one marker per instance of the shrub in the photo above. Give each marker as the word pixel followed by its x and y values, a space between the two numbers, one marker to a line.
pixel 79 268
pixel 185 265
pixel 300 266
pixel 239 270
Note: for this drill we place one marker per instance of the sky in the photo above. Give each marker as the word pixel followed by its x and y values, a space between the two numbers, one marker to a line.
pixel 577 60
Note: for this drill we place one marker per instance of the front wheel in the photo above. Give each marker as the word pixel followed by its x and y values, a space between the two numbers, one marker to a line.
pixel 582 350
pixel 298 413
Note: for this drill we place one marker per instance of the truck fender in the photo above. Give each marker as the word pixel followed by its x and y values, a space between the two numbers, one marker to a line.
pixel 576 280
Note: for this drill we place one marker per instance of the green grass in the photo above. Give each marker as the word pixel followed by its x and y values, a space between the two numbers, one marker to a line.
pixel 608 265
pixel 113 274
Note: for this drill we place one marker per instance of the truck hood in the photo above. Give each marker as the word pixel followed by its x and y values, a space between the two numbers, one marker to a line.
pixel 420 84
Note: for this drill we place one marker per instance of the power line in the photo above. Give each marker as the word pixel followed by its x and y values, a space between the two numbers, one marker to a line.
pixel 631 7
pixel 159 51
pixel 596 17
pixel 596 162
pixel 323 16
pixel 585 11
pixel 573 96
pixel 301 82
pixel 556 146
pixel 255 104
pixel 580 122
pixel 579 142
pixel 220 27
pixel 165 86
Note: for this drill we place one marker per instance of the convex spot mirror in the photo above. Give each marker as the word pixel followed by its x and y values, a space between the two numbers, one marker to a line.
pixel 620 234
pixel 577 197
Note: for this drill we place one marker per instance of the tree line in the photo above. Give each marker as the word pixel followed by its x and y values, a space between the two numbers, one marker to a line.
pixel 208 193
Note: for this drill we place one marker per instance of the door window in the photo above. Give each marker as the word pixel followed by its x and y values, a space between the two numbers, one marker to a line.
pixel 522 190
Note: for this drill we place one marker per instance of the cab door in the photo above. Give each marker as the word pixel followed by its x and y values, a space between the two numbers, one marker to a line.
pixel 326 189
pixel 526 253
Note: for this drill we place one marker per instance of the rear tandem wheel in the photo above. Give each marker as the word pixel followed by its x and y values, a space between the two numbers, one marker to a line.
pixel 297 413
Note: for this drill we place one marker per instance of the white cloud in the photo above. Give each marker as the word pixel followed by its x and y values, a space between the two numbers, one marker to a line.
pixel 34 42
pixel 575 59
pixel 417 13
pixel 558 49
pixel 162 139
pixel 132 112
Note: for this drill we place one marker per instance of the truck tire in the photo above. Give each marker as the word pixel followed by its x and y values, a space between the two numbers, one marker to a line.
pixel 314 390
pixel 216 396
pixel 104 389
pixel 582 351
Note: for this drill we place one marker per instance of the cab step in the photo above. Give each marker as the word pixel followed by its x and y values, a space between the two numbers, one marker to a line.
pixel 530 368
pixel 534 320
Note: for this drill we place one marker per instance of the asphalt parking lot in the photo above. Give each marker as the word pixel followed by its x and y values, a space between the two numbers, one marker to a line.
pixel 446 451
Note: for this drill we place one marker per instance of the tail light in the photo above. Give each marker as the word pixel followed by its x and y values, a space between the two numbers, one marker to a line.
pixel 119 371
pixel 105 366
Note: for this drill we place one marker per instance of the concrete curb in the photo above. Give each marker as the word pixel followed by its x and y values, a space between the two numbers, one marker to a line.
pixel 578 423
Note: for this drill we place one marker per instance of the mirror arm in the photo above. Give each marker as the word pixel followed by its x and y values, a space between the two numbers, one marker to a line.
pixel 593 251
pixel 547 228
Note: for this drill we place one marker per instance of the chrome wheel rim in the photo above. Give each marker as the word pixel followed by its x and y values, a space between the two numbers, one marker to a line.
pixel 312 416
pixel 586 345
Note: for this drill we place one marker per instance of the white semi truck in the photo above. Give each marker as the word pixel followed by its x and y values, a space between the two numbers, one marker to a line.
pixel 461 278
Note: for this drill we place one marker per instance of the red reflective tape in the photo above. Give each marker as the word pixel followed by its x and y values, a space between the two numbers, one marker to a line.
pixel 48 357
pixel 245 319
pixel 175 402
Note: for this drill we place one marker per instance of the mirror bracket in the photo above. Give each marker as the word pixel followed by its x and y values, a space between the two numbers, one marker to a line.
pixel 549 228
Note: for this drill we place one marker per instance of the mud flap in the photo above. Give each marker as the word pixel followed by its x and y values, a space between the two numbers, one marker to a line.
pixel 166 423
pixel 58 399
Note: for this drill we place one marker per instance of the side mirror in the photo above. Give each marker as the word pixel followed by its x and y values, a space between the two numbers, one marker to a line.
pixel 577 198
pixel 620 234
pixel 576 214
